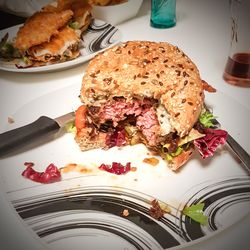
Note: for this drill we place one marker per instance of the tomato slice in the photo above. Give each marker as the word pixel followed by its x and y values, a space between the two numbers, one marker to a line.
pixel 80 117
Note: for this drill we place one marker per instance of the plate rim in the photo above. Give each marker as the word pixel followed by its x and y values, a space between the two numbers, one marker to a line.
pixel 182 246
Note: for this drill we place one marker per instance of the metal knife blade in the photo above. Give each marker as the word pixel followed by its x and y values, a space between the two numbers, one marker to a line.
pixel 64 119
pixel 43 126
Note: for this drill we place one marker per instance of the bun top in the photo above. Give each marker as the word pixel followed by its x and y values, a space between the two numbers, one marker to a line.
pixel 138 69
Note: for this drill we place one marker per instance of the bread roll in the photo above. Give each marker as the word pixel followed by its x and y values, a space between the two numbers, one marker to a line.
pixel 139 69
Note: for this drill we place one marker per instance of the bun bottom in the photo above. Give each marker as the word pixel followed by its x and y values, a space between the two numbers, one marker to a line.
pixel 181 159
pixel 87 141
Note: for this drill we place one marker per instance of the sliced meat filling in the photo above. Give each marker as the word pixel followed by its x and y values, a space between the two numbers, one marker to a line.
pixel 118 110
pixel 149 125
pixel 114 115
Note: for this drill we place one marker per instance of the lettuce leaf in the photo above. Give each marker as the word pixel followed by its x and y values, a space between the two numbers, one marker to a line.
pixel 209 143
pixel 195 212
pixel 169 156
pixel 74 25
pixel 206 119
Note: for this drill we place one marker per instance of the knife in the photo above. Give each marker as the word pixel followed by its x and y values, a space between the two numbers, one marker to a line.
pixel 43 126
pixel 239 151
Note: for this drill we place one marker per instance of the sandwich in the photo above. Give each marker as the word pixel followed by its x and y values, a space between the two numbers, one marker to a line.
pixel 106 2
pixel 143 92
pixel 53 35
pixel 81 9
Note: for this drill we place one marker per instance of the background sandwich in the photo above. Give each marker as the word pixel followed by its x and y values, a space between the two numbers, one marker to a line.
pixel 53 34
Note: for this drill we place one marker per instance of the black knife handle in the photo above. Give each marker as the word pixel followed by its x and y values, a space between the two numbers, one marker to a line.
pixel 16 138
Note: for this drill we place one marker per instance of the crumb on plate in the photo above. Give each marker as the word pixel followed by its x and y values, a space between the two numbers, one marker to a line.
pixel 125 213
pixel 10 120
pixel 157 211
pixel 151 160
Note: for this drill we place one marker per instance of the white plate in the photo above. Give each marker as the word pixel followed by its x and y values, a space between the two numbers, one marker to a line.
pixel 99 36
pixel 84 209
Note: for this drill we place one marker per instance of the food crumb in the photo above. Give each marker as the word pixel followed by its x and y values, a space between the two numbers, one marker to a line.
pixel 152 161
pixel 28 164
pixel 10 120
pixel 155 210
pixel 73 167
pixel 133 169
pixel 125 213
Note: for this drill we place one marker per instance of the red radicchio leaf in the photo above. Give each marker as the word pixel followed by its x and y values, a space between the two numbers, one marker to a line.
pixel 117 138
pixel 208 144
pixel 51 174
pixel 116 168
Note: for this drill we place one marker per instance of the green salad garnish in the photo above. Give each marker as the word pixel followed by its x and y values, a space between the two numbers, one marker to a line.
pixel 26 60
pixel 169 156
pixel 195 212
pixel 206 119
pixel 7 49
pixel 74 25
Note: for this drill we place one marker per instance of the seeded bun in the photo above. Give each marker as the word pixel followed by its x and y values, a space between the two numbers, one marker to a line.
pixel 87 142
pixel 147 69
pixel 181 159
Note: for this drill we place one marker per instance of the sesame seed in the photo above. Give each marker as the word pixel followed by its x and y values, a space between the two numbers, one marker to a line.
pixel 154 81
pixel 107 80
pixel 118 51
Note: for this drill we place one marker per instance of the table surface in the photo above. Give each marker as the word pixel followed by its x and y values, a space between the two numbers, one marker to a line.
pixel 202 32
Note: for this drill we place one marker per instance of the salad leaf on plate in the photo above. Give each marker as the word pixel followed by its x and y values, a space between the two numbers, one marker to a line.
pixel 51 174
pixel 7 49
pixel 195 212
pixel 209 143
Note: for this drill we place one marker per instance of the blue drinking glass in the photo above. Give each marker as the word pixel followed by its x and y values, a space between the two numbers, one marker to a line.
pixel 163 13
